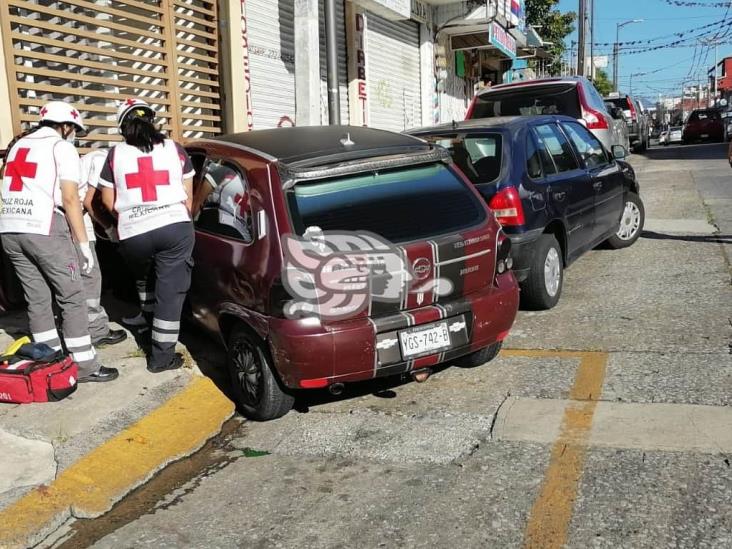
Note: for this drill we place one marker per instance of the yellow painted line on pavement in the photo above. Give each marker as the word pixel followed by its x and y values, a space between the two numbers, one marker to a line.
pixel 552 511
pixel 93 484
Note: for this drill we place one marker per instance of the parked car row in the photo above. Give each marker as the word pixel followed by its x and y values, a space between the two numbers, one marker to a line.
pixel 636 116
pixel 331 255
pixel 572 96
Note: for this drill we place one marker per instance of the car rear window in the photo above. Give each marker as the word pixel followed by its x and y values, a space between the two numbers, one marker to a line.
pixel 620 102
pixel 704 115
pixel 529 100
pixel 479 156
pixel 401 204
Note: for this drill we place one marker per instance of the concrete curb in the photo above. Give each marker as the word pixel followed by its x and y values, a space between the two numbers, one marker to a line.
pixel 92 485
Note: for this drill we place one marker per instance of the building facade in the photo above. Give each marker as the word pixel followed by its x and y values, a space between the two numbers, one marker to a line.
pixel 401 63
pixel 213 66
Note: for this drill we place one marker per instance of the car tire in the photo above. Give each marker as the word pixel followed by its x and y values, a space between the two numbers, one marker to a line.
pixel 478 358
pixel 257 389
pixel 631 223
pixel 543 286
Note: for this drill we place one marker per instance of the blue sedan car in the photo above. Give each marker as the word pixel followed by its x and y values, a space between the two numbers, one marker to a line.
pixel 554 188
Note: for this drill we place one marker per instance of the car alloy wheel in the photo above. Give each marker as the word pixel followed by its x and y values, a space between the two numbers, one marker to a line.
pixel 630 222
pixel 552 272
pixel 248 372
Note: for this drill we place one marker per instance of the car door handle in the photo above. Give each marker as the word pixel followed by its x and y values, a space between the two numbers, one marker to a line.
pixel 597 185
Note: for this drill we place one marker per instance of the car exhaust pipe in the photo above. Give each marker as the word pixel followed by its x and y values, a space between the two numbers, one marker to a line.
pixel 420 376
pixel 336 389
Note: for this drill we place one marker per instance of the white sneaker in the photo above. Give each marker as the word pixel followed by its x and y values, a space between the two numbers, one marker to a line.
pixel 137 320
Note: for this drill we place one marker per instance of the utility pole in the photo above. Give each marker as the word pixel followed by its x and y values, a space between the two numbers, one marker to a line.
pixel 582 38
pixel 713 42
pixel 592 39
pixel 331 56
pixel 616 50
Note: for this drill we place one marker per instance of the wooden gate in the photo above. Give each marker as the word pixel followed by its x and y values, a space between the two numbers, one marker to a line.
pixel 96 53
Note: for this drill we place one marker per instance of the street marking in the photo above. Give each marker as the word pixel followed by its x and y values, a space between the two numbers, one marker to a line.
pixel 93 484
pixel 647 426
pixel 548 522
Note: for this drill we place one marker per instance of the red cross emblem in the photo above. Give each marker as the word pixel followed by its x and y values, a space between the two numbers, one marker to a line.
pixel 147 179
pixel 130 102
pixel 20 168
pixel 44 110
pixel 75 114
pixel 241 201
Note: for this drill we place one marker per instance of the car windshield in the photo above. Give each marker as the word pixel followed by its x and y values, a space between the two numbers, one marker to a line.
pixel 479 156
pixel 400 205
pixel 528 100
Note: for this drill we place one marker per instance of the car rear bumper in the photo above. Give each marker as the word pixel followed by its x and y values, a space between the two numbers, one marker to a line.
pixel 522 251
pixel 365 348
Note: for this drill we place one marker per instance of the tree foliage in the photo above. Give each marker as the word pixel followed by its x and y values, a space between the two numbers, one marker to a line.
pixel 602 82
pixel 552 25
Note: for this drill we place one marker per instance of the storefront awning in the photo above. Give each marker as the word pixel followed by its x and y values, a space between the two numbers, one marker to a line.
pixel 491 36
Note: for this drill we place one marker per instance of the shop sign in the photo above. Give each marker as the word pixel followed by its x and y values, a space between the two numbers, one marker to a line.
pixel 421 12
pixel 502 40
pixel 388 9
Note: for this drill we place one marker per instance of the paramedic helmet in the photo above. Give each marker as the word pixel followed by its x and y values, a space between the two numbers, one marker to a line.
pixel 60 112
pixel 134 107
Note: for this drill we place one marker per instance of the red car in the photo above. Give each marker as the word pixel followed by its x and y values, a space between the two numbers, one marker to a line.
pixel 703 125
pixel 333 181
pixel 328 255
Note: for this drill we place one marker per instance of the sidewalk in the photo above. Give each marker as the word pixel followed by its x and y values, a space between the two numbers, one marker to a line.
pixel 81 455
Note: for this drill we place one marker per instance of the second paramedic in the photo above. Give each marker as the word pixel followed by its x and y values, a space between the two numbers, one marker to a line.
pixel 147 181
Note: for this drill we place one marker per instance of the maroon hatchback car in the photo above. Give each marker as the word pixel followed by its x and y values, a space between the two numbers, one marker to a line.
pixel 328 255
pixel 384 210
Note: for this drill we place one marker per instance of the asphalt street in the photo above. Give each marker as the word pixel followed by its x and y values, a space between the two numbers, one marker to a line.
pixel 606 422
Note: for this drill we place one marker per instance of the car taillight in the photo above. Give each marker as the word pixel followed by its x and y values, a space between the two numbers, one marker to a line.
pixel 506 204
pixel 631 108
pixel 594 120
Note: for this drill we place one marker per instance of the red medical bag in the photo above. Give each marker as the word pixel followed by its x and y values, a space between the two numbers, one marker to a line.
pixel 26 381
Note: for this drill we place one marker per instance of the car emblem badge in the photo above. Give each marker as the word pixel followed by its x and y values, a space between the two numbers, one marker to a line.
pixel 422 267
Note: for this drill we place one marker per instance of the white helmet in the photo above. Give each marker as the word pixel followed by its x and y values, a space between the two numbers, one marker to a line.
pixel 61 112
pixel 140 107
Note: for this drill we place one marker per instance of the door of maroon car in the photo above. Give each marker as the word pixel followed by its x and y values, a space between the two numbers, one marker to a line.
pixel 232 249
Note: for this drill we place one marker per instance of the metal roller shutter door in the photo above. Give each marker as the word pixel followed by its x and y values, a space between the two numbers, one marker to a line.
pixel 271 34
pixel 392 73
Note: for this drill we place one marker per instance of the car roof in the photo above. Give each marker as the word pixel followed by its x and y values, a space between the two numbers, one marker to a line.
pixel 539 82
pixel 500 122
pixel 302 144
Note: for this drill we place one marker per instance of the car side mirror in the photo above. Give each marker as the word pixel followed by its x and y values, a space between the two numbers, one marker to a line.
pixel 619 152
